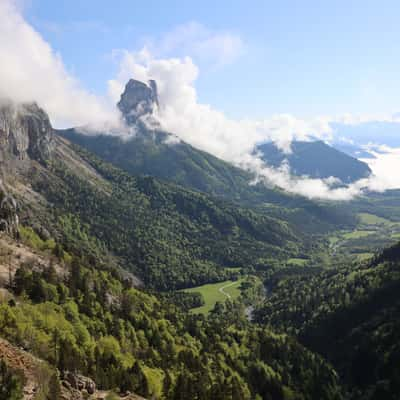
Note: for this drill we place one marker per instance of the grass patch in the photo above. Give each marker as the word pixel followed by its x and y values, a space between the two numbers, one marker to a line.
pixel 364 256
pixel 371 219
pixel 333 239
pixel 297 261
pixel 233 269
pixel 234 290
pixel 357 234
pixel 212 293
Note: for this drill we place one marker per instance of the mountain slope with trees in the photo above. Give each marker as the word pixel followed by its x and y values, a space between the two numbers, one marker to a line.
pixel 350 315
pixel 169 236
pixel 150 150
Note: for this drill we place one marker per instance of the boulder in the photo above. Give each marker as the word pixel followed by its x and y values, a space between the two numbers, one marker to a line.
pixel 80 382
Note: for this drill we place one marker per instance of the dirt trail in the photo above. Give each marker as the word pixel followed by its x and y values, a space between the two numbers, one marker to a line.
pixel 226 286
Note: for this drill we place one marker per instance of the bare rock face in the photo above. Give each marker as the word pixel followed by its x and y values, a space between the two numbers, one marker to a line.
pixel 80 382
pixel 25 134
pixel 138 100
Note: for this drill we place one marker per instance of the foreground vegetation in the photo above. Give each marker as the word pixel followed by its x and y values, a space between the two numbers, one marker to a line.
pixel 92 320
pixel 349 314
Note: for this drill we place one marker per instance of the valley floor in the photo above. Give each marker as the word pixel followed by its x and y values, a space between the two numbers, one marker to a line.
pixel 214 292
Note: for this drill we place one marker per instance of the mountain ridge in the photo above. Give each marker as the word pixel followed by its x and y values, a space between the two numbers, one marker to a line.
pixel 317 160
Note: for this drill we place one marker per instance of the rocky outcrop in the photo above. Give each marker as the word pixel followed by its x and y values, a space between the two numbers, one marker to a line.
pixel 79 387
pixel 79 382
pixel 138 100
pixel 25 134
pixel 29 367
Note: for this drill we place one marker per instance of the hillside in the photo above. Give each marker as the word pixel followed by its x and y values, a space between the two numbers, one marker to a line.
pixel 317 160
pixel 168 236
pixel 351 316
pixel 77 225
pixel 91 320
pixel 153 152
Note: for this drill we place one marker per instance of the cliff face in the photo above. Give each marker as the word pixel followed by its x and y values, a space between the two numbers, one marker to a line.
pixel 25 134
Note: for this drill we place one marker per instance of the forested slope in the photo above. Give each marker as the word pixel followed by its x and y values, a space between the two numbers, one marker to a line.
pixel 150 153
pixel 89 318
pixel 351 315
pixel 171 237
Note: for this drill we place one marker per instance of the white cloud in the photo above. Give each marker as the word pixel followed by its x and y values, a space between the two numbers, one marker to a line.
pixel 384 165
pixel 206 46
pixel 353 119
pixel 235 140
pixel 200 124
pixel 211 131
pixel 31 71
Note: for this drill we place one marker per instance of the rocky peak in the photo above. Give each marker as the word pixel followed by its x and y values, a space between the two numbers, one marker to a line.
pixel 25 134
pixel 138 99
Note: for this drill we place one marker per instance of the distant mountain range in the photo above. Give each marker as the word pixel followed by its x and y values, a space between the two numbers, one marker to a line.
pixel 354 139
pixel 317 160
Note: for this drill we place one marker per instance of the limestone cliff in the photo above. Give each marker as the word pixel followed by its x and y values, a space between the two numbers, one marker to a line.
pixel 25 134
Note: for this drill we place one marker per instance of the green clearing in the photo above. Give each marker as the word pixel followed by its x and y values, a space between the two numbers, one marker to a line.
pixel 371 219
pixel 357 234
pixel 214 292
pixel 364 256
pixel 334 238
pixel 233 269
pixel 297 261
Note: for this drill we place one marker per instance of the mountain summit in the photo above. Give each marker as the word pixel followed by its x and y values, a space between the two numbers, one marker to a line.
pixel 137 100
pixel 317 160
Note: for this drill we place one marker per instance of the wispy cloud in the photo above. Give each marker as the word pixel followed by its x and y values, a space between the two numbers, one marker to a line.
pixel 192 39
pixel 79 26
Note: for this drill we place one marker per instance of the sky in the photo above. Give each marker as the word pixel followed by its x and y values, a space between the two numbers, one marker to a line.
pixel 304 57
pixel 229 76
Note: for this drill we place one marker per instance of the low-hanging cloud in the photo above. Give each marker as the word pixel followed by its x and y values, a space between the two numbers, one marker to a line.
pixel 31 71
pixel 235 140
pixel 200 124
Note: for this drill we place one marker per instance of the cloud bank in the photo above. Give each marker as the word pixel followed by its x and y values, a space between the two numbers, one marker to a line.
pixel 235 140
pixel 31 71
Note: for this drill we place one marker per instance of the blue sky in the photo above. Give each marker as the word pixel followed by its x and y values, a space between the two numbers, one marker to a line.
pixel 229 76
pixel 306 58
